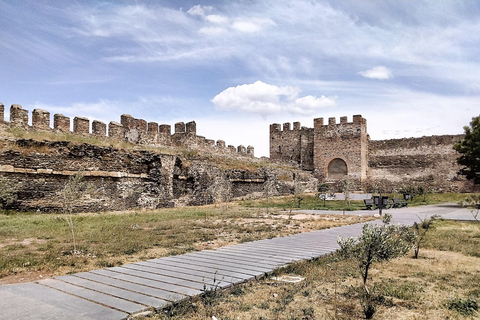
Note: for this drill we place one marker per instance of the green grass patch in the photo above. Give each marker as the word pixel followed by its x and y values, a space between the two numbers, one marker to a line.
pixel 308 202
pixel 457 236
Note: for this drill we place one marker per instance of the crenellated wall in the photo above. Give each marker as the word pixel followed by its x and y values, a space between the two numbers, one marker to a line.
pixel 341 143
pixel 292 145
pixel 344 148
pixel 136 131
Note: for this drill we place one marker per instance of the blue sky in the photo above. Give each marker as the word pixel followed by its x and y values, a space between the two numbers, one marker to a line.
pixel 411 68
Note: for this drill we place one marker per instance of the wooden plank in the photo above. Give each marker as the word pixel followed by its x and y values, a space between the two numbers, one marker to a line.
pixel 97 297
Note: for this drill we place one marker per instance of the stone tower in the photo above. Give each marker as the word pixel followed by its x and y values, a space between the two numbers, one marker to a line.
pixel 341 149
pixel 292 145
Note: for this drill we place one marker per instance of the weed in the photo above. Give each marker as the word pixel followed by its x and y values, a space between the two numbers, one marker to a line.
pixel 464 306
pixel 264 305
pixel 237 291
pixel 405 291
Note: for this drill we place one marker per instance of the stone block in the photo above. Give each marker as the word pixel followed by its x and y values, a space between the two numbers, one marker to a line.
pixel 165 129
pixel 220 144
pixel 141 125
pixel 191 128
pixel 179 127
pixel 81 125
pixel 275 127
pixel 127 121
pixel 2 112
pixel 99 128
pixel 40 119
pixel 18 116
pixel 61 123
pixel 116 130
pixel 152 128
pixel 251 151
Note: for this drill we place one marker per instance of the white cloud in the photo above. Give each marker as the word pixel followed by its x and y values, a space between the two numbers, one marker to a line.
pixel 199 10
pixel 215 18
pixel 252 25
pixel 265 99
pixel 379 72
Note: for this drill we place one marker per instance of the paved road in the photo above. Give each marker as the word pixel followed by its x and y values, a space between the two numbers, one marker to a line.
pixel 115 293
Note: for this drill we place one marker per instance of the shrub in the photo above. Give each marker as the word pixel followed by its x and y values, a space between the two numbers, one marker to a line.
pixel 464 306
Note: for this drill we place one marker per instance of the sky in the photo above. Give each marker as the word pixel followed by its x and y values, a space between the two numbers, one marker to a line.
pixel 411 68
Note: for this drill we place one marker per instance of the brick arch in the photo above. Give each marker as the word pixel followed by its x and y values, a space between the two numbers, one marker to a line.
pixel 337 168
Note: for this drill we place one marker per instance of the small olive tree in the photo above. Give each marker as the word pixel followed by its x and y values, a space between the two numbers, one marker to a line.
pixel 347 185
pixel 268 189
pixel 420 230
pixel 376 244
pixel 473 201
pixel 299 189
pixel 72 193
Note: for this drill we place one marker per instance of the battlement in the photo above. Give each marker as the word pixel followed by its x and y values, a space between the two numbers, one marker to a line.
pixel 315 148
pixel 276 127
pixel 357 120
pixel 136 131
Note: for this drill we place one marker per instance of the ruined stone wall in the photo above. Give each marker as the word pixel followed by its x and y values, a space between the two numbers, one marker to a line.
pixel 120 179
pixel 347 141
pixel 428 161
pixel 292 145
pixel 136 131
pixel 123 179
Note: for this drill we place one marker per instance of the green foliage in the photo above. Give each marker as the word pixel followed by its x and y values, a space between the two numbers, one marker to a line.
pixel 376 244
pixel 469 149
pixel 464 306
pixel 456 236
pixel 323 189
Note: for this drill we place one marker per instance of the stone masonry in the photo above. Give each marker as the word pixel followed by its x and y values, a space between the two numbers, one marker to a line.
pixel 334 150
pixel 136 131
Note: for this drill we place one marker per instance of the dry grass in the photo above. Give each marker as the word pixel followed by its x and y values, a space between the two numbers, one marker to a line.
pixel 34 243
pixel 412 289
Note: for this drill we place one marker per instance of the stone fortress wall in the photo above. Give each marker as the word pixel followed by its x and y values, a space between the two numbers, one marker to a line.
pixel 334 150
pixel 136 131
pixel 123 179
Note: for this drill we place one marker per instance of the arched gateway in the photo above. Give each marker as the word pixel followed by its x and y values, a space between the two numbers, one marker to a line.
pixel 337 169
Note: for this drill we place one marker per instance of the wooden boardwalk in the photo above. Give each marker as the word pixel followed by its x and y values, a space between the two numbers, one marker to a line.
pixel 115 293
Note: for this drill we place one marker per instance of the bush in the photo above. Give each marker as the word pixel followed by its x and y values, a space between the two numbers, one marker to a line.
pixel 464 306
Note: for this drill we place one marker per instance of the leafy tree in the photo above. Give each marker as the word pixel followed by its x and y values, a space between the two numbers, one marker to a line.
pixel 376 244
pixel 469 149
